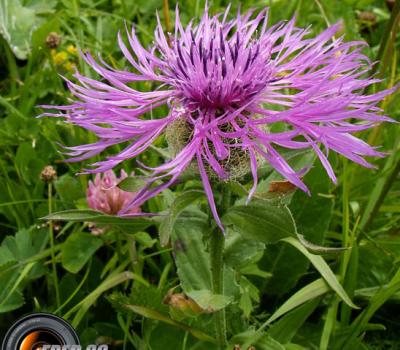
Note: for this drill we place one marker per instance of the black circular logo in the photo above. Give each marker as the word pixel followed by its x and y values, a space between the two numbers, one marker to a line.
pixel 35 331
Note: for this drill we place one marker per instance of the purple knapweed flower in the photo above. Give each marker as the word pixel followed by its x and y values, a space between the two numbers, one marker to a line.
pixel 103 194
pixel 227 83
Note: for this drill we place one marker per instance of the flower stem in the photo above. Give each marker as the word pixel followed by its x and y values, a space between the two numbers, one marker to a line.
pixel 217 271
pixel 390 31
pixel 167 19
pixel 53 254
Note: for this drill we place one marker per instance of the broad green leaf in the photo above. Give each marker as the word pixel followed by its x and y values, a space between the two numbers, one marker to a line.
pixel 15 268
pixel 132 183
pixel 179 204
pixel 312 215
pixel 25 244
pixel 261 221
pixel 69 189
pixel 15 301
pixel 11 292
pixel 28 162
pixel 249 293
pixel 323 268
pixel 78 249
pixel 209 301
pixel 6 255
pixel 149 296
pixel 240 252
pixel 19 19
pixel 10 301
pixel 191 257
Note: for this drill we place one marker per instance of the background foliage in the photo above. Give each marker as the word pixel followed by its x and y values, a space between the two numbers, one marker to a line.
pixel 113 287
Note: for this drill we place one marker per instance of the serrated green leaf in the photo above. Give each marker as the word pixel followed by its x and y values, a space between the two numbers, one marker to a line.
pixel 12 290
pixel 15 301
pixel 16 266
pixel 6 256
pixel 10 301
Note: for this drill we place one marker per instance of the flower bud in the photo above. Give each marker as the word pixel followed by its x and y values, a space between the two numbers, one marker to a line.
pixel 48 174
pixel 181 306
pixel 53 40
pixel 180 132
pixel 367 17
pixel 390 4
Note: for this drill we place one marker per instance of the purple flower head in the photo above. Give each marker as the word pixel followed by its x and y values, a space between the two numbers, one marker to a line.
pixel 227 82
pixel 104 195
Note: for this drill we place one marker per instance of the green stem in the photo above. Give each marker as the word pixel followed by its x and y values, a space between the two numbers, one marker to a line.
pixel 12 67
pixel 53 254
pixel 382 187
pixel 391 26
pixel 167 19
pixel 217 271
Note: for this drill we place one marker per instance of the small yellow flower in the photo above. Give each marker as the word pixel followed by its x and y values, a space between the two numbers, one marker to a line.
pixel 72 50
pixel 59 58
pixel 69 66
